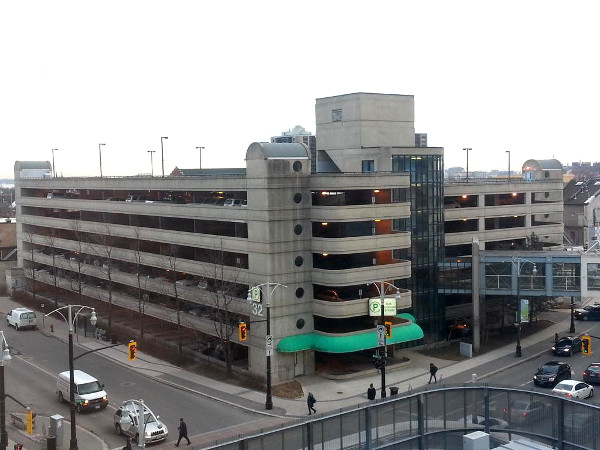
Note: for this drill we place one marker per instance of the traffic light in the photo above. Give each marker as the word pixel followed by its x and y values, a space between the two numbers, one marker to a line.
pixel 586 345
pixel 388 329
pixel 132 349
pixel 243 331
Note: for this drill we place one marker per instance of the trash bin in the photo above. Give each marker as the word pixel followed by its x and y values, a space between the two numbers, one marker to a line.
pixel 393 390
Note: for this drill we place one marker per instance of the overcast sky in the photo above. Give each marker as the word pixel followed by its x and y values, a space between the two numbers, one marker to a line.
pixel 493 76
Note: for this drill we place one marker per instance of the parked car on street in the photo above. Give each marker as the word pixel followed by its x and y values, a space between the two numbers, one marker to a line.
pixel 567 346
pixel 592 373
pixel 590 312
pixel 127 422
pixel 524 411
pixel 552 373
pixel 573 389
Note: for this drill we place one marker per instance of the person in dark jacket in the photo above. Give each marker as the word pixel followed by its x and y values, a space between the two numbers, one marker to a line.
pixel 310 401
pixel 182 432
pixel 371 392
pixel 432 373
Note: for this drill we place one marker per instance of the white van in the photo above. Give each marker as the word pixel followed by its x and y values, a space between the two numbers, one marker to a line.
pixel 21 318
pixel 89 393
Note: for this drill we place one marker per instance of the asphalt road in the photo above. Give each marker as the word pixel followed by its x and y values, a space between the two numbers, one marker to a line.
pixel 37 360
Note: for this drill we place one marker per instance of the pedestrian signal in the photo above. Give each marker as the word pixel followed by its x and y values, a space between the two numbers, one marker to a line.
pixel 586 345
pixel 388 329
pixel 243 331
pixel 132 349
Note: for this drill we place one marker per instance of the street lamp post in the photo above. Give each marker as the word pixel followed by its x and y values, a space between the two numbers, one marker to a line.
pixel 572 327
pixel 5 359
pixel 518 352
pixel 162 154
pixel 467 150
pixel 151 162
pixel 70 321
pixel 53 166
pixel 254 295
pixel 381 287
pixel 100 152
pixel 200 152
pixel 508 151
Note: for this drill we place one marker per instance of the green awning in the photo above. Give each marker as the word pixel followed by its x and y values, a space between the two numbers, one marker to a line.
pixel 351 342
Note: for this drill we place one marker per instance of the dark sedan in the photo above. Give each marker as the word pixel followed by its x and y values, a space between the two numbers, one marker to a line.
pixel 592 373
pixel 552 373
pixel 566 346
pixel 590 312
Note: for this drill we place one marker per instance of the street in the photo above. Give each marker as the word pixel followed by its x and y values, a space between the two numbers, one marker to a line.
pixel 37 360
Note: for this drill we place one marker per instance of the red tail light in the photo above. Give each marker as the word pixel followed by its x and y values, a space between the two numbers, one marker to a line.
pixel 569 395
pixel 504 410
pixel 584 372
pixel 524 414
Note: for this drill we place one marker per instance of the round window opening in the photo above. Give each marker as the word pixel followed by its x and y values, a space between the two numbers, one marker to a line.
pixel 299 292
pixel 297 166
pixel 299 261
pixel 298 229
pixel 300 323
pixel 297 197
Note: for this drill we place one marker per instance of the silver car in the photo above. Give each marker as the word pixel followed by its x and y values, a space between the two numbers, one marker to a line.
pixel 127 423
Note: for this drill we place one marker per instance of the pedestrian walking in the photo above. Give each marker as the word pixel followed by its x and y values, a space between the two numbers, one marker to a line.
pixel 432 373
pixel 371 393
pixel 182 432
pixel 310 401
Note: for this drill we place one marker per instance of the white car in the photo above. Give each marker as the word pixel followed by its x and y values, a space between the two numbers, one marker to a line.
pixel 574 389
pixel 126 421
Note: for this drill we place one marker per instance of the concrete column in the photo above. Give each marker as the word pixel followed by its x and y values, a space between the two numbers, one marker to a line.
pixel 475 293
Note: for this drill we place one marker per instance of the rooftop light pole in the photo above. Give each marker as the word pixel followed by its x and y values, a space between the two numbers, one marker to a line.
pixel 162 154
pixel 467 150
pixel 53 166
pixel 200 161
pixel 508 151
pixel 70 321
pixel 151 162
pixel 100 151
pixel 381 287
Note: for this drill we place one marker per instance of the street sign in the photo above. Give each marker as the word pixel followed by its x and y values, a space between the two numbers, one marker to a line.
pixel 389 306
pixel 270 352
pixel 257 309
pixel 256 294
pixel 269 343
pixel 380 335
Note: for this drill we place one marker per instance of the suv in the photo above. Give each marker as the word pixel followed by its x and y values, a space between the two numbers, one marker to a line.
pixel 567 346
pixel 552 373
pixel 592 373
pixel 126 423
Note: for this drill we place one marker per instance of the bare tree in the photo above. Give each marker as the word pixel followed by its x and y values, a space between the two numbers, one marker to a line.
pixel 172 270
pixel 75 262
pixel 221 296
pixel 142 280
pixel 51 241
pixel 30 272
pixel 103 245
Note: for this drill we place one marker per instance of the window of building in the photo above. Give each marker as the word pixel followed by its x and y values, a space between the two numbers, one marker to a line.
pixel 336 115
pixel 368 166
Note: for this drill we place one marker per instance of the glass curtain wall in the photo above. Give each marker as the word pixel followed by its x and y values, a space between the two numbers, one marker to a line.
pixel 426 224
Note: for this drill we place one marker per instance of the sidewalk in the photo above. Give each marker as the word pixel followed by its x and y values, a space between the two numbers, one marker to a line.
pixel 331 395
